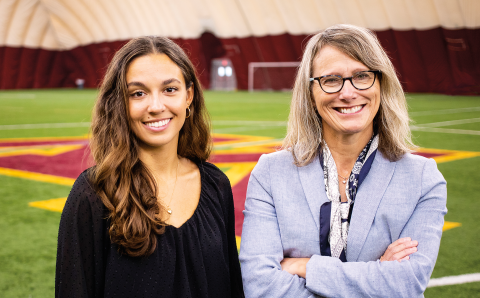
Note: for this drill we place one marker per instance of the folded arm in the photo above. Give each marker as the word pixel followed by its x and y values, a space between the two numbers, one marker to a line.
pixel 330 277
pixel 262 252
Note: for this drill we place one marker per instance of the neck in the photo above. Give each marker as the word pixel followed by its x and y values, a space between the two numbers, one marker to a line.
pixel 161 161
pixel 345 148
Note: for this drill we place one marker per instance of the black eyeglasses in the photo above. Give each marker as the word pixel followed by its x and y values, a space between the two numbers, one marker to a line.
pixel 361 81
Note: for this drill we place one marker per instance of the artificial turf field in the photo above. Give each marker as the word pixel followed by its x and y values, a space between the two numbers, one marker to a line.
pixel 39 161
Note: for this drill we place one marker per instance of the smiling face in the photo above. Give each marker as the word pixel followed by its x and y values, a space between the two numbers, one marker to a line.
pixel 158 99
pixel 349 111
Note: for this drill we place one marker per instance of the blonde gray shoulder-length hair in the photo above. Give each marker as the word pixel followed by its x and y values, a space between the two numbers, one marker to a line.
pixel 304 133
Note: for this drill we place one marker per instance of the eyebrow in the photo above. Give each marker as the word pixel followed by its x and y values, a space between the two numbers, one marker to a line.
pixel 142 85
pixel 169 81
pixel 137 84
pixel 356 70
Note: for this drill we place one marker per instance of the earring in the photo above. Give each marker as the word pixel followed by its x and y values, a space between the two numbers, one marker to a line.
pixel 189 113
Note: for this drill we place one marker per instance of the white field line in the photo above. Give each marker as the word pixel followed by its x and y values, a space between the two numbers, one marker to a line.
pixel 44 125
pixel 87 124
pixel 446 130
pixel 452 122
pixel 242 128
pixel 240 122
pixel 454 280
pixel 441 112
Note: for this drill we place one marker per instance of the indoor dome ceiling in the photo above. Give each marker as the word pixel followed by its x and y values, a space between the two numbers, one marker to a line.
pixel 66 24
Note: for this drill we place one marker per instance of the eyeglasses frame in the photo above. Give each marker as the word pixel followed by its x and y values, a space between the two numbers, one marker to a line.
pixel 375 73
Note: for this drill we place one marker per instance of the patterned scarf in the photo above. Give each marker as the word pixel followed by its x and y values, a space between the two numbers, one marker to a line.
pixel 339 213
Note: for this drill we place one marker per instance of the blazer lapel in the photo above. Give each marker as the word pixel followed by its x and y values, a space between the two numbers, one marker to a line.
pixel 367 200
pixel 311 177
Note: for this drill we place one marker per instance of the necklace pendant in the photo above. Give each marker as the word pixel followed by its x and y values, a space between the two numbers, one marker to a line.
pixel 170 210
pixel 344 181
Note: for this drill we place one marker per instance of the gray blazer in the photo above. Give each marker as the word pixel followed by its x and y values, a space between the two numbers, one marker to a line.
pixel 399 199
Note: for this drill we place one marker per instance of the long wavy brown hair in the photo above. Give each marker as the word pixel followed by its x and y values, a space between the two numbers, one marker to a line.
pixel 120 178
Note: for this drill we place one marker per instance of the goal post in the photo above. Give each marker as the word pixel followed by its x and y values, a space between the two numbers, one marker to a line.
pixel 271 75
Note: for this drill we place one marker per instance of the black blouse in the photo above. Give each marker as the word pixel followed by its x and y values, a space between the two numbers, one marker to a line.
pixel 198 259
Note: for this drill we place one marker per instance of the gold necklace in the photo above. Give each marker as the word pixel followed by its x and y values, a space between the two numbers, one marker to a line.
pixel 169 210
pixel 344 179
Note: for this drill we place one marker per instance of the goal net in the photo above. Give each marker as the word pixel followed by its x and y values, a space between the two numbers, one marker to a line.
pixel 271 75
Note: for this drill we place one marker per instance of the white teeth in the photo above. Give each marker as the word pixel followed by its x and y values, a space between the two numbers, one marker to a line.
pixel 158 123
pixel 350 110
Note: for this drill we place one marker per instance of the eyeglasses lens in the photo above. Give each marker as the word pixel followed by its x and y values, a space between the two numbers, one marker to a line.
pixel 363 80
pixel 360 80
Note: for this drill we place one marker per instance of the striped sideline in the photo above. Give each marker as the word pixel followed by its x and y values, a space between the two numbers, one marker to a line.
pixel 454 280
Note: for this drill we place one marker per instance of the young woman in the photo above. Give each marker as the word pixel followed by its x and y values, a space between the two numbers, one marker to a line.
pixel 152 218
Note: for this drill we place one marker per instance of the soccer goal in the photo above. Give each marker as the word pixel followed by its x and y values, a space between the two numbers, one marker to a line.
pixel 271 75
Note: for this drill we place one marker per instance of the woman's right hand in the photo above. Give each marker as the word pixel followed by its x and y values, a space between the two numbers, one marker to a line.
pixel 400 250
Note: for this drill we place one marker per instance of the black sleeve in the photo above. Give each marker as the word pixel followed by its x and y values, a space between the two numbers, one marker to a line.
pixel 81 244
pixel 234 263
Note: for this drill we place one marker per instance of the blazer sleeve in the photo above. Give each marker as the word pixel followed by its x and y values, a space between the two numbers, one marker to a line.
pixel 261 247
pixel 330 277
pixel 80 252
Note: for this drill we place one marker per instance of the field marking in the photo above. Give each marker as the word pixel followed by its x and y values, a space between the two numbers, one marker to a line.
pixel 237 170
pixel 448 225
pixel 449 123
pixel 37 176
pixel 55 205
pixel 243 128
pixel 454 280
pixel 245 144
pixel 448 155
pixel 235 139
pixel 446 130
pixel 44 125
pixel 43 139
pixel 43 150
pixel 448 111
pixel 87 124
pixel 241 122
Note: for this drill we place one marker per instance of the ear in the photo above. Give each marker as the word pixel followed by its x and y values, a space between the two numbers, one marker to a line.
pixel 190 92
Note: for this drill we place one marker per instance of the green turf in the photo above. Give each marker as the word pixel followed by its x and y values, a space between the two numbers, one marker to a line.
pixel 28 238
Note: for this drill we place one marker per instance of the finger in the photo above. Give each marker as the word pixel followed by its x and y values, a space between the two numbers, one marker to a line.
pixel 403 246
pixel 398 242
pixel 402 254
pixel 404 259
pixel 391 248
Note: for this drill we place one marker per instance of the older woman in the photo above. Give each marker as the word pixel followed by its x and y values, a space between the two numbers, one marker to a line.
pixel 152 218
pixel 344 210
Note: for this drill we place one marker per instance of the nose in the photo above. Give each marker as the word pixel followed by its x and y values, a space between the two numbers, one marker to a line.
pixel 156 105
pixel 348 92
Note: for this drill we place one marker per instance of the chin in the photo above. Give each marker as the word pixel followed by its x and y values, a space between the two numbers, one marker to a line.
pixel 353 130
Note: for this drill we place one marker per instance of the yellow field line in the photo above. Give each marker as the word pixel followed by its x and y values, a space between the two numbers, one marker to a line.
pixel 43 151
pixel 237 170
pixel 55 205
pixel 37 176
pixel 450 225
pixel 44 139
pixel 449 155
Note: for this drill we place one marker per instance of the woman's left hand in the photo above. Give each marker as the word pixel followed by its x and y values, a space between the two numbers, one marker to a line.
pixel 295 266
